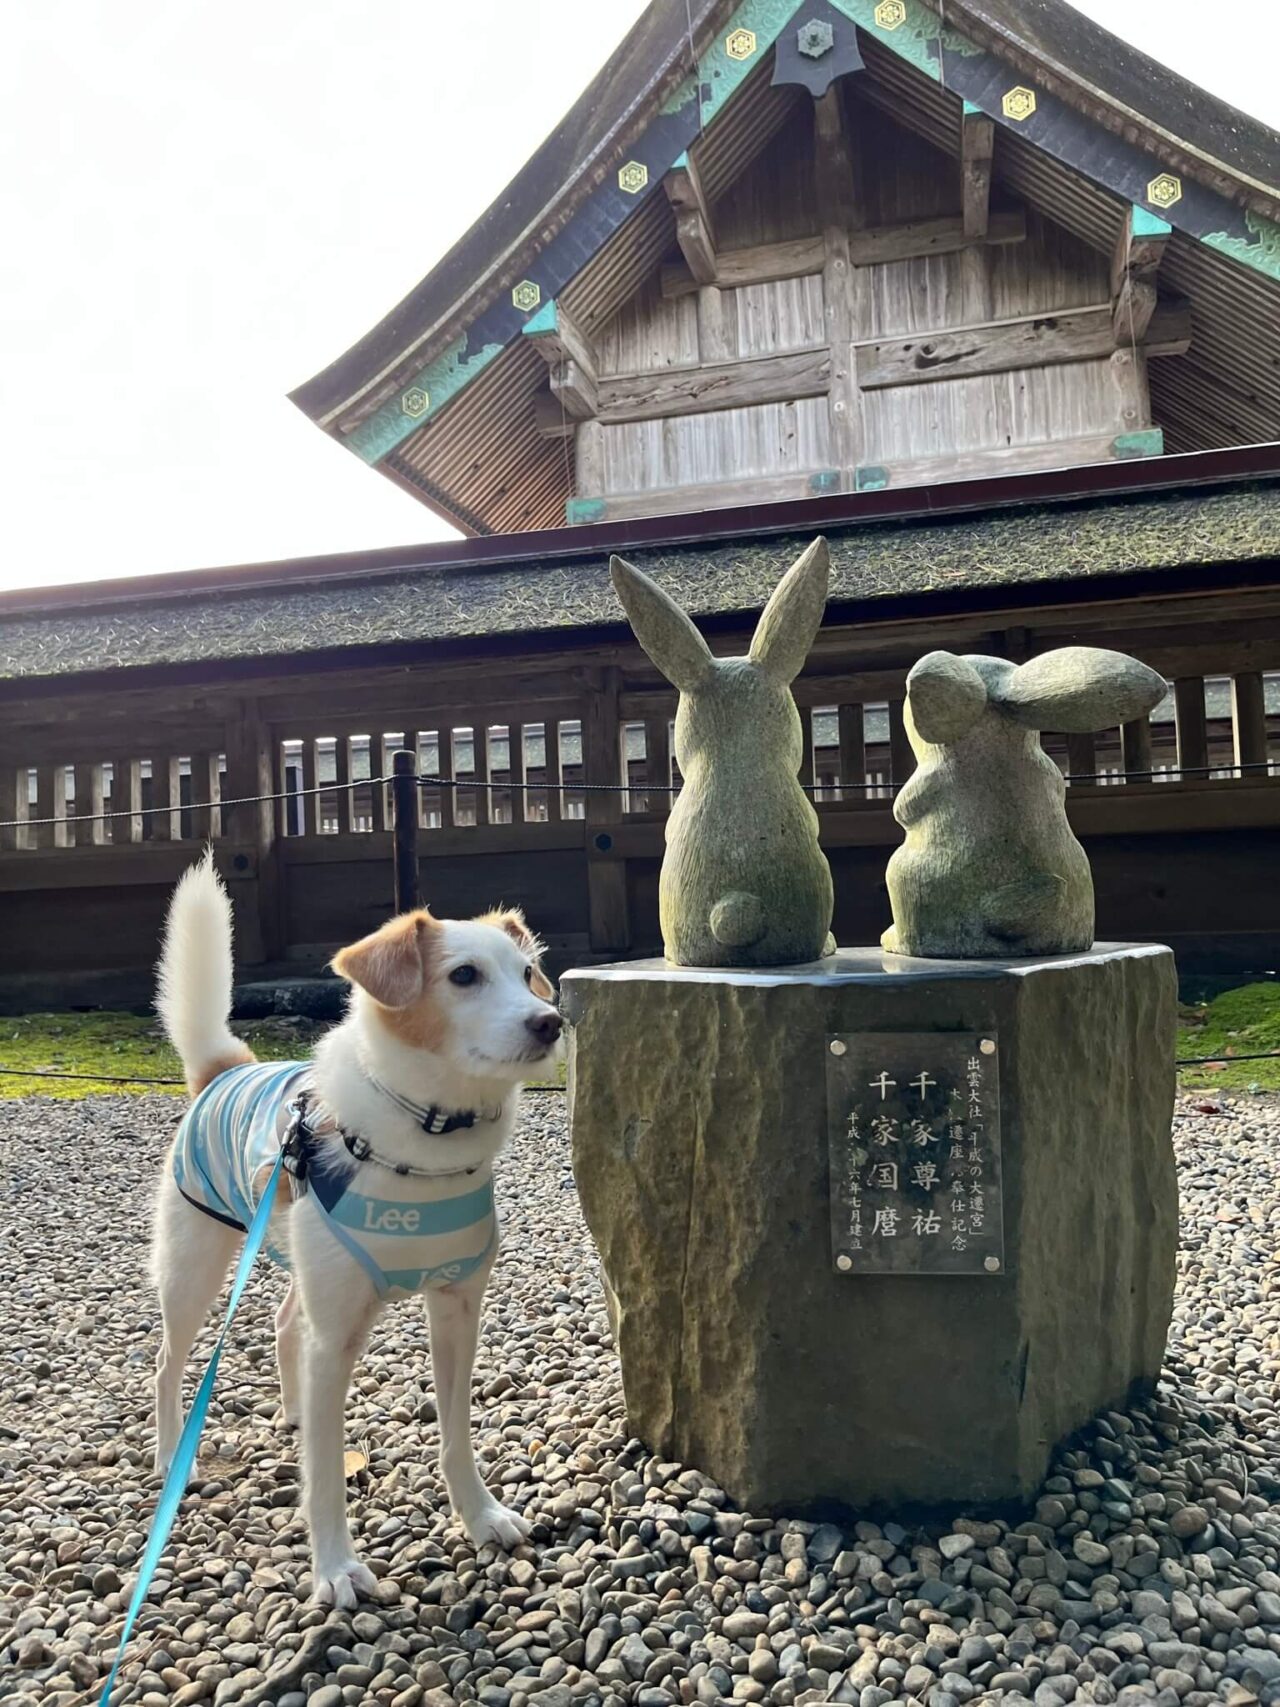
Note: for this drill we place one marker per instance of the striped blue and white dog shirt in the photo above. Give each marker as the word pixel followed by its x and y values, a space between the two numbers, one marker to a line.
pixel 418 1232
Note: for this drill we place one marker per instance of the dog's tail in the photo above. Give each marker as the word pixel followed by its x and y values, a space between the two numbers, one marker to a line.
pixel 193 994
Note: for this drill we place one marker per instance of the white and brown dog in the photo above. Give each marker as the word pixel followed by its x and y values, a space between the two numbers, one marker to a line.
pixel 390 1132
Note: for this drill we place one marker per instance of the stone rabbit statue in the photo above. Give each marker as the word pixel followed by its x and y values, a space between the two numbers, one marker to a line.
pixel 989 867
pixel 744 882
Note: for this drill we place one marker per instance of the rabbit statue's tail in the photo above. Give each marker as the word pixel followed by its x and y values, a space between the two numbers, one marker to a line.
pixel 737 919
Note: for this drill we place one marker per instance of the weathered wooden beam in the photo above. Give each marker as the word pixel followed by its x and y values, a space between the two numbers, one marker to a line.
pixel 575 388
pixel 1140 247
pixel 551 418
pixel 694 231
pixel 917 237
pixel 567 351
pixel 764 263
pixel 977 143
pixel 715 495
pixel 558 338
pixel 840 207
pixel 760 263
pixel 719 385
pixel 835 163
pixel 1076 335
pixel 1051 340
pixel 1008 459
pixel 1168 330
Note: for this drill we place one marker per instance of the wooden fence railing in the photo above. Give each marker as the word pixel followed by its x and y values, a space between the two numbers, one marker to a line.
pixel 515 767
pixel 558 801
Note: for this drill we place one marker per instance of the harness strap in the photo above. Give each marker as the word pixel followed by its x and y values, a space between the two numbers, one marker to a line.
pixel 302 1129
pixel 175 1482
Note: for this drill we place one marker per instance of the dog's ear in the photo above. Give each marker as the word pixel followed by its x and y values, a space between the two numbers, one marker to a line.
pixel 391 965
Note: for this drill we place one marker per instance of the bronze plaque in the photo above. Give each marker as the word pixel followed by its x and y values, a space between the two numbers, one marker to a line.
pixel 913 1137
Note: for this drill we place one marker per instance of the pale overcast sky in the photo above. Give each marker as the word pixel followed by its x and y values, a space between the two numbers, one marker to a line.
pixel 202 204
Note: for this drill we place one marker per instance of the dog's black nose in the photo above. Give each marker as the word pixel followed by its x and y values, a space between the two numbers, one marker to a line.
pixel 546 1027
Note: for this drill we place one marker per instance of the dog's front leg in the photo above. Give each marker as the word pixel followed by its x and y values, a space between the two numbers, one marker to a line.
pixel 454 1314
pixel 330 1347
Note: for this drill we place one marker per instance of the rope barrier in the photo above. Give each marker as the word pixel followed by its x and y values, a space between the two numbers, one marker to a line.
pixel 1228 772
pixel 189 806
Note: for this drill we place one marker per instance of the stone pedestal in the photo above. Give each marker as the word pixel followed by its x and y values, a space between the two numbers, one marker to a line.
pixel 700 1123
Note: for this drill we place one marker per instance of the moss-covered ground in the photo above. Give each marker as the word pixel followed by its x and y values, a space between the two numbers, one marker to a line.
pixel 125 1046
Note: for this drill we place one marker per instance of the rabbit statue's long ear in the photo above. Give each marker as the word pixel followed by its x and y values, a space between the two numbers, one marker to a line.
pixel 791 619
pixel 1079 688
pixel 662 628
pixel 946 696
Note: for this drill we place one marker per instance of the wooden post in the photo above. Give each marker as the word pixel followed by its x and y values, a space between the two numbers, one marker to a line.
pixel 1193 737
pixel 1135 746
pixel 657 764
pixel 516 771
pixel 977 141
pixel 841 210
pixel 342 776
pixel 853 753
pixel 603 761
pixel 48 790
pixel 377 790
pixel 902 761
pixel 13 805
pixel 251 773
pixel 808 769
pixel 404 813
pixel 1249 718
pixel 308 801
pixel 1082 760
pixel 448 750
pixel 89 798
pixel 551 733
pixel 483 769
pixel 126 792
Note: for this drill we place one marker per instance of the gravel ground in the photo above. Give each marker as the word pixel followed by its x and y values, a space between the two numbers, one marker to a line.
pixel 1148 1570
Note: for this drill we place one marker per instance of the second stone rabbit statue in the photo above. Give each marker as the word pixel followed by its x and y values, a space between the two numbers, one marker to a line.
pixel 990 868
pixel 744 882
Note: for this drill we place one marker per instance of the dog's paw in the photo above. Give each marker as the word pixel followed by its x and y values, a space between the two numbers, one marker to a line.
pixel 164 1463
pixel 343 1584
pixel 289 1421
pixel 496 1523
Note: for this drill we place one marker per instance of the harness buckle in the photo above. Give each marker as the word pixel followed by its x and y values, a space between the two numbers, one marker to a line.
pixel 293 1146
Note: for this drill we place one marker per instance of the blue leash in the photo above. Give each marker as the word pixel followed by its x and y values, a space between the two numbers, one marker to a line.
pixel 175 1483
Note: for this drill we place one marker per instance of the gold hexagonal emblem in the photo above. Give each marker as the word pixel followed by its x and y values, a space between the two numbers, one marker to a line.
pixel 526 295
pixel 1164 190
pixel 415 401
pixel 740 44
pixel 1018 104
pixel 633 177
pixel 890 13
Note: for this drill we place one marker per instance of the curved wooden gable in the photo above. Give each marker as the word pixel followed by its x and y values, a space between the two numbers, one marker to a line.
pixel 959 257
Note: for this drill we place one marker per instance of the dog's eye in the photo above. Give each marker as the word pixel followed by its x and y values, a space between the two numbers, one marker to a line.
pixel 528 974
pixel 464 975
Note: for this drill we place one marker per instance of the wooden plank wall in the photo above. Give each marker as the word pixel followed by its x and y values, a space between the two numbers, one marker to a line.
pixel 908 341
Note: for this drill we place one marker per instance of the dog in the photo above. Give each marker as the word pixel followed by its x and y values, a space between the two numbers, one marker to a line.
pixel 390 1133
